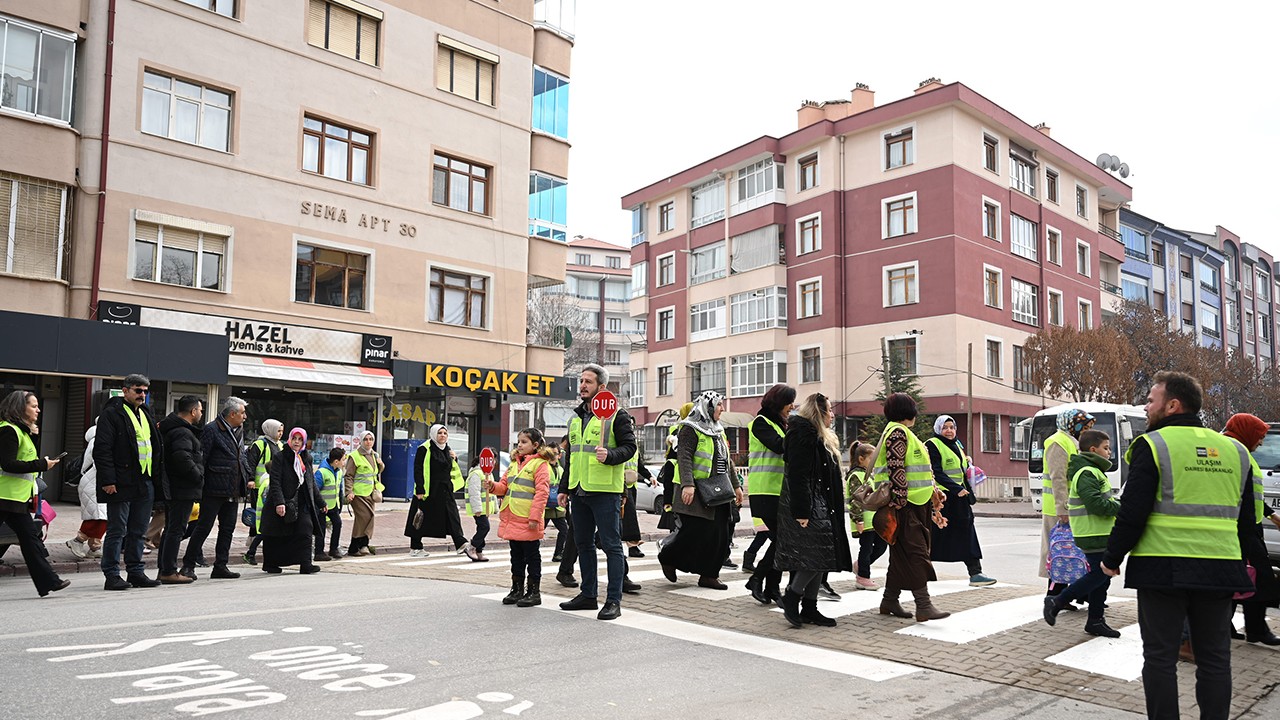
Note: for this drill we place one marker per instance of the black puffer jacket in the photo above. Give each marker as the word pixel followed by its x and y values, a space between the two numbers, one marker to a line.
pixel 226 468
pixel 115 453
pixel 812 489
pixel 183 477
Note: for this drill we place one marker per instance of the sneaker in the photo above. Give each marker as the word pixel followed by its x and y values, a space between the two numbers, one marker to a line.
pixel 466 546
pixel 826 591
pixel 981 580
pixel 865 584
pixel 372 550
pixel 94 552
pixel 79 548
pixel 146 550
pixel 730 564
pixel 250 558
pixel 415 553
pixel 473 554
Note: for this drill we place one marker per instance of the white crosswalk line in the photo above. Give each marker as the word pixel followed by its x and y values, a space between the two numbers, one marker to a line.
pixel 969 625
pixel 1118 658
pixel 863 600
pixel 375 559
pixel 736 589
pixel 432 561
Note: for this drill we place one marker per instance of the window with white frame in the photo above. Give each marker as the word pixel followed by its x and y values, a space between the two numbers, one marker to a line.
pixel 995 353
pixel 706 320
pixel 33 226
pixel 808 171
pixel 898 215
pixel 177 251
pixel 752 374
pixel 809 234
pixel 37 70
pixel 1086 314
pixel 992 286
pixel 1082 201
pixel 548 199
pixel 613 325
pixel 666 269
pixel 809 298
pixel 758 310
pixel 990 433
pixel 1264 327
pixel 1134 288
pixel 1053 245
pixel 1022 173
pixel 901 284
pixel 1084 258
pixel 899 148
pixel 1264 286
pixel 1055 307
pixel 636 397
pixel 1024 237
pixel 755 249
pixel 1248 324
pixel 707 264
pixel 1210 323
pixel 640 279
pixel 186 111
pixel 811 365
pixel 708 202
pixel 667 323
pixel 902 355
pixel 707 375
pixel 637 224
pixel 1022 371
pixel 642 325
pixel 550 103
pixel 1025 299
pixel 1232 311
pixel 990 219
pixel 666 380
pixel 756 179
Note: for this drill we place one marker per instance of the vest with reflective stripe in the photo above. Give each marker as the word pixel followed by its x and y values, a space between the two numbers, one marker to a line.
pixel 142 431
pixel 265 448
pixel 584 470
pixel 486 500
pixel 330 481
pixel 1048 505
pixel 860 476
pixel 1258 488
pixel 366 475
pixel 765 466
pixel 631 470
pixel 20 488
pixel 919 471
pixel 1202 480
pixel 953 465
pixel 521 488
pixel 1084 524
pixel 704 454
pixel 553 509
pixel 455 477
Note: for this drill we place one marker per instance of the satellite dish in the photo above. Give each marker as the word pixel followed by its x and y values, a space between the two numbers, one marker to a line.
pixel 1115 163
pixel 1103 161
pixel 1124 170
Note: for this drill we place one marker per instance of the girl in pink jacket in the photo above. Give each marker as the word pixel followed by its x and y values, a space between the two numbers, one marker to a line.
pixel 524 491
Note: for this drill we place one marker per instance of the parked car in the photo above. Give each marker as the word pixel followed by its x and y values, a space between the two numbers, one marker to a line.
pixel 1268 457
pixel 649 497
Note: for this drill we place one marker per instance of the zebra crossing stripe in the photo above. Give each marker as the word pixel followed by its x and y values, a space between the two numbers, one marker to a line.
pixel 432 561
pixel 969 625
pixel 1119 658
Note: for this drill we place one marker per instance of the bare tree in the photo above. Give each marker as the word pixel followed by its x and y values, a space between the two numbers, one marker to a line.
pixel 554 307
pixel 1086 365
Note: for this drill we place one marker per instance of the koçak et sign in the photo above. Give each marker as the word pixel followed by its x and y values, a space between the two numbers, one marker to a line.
pixel 471 379
pixel 249 336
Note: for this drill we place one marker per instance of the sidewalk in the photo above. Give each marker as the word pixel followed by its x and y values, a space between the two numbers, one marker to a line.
pixel 1006 509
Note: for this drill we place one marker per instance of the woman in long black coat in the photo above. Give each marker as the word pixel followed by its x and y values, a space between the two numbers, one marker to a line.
pixel 811 532
pixel 433 466
pixel 957 541
pixel 291 508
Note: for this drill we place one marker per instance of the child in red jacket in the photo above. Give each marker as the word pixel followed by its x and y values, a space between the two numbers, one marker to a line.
pixel 524 491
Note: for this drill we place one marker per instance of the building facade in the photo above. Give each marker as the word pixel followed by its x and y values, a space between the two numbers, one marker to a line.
pixel 287 175
pixel 939 229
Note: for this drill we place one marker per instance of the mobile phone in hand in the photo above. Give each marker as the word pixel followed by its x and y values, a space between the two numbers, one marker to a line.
pixel 59 457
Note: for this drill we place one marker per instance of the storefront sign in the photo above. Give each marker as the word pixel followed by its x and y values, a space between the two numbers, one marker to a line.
pixel 470 379
pixel 119 313
pixel 410 412
pixel 375 351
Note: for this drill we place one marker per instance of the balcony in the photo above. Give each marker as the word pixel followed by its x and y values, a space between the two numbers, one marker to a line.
pixel 1113 289
pixel 1136 254
pixel 546 262
pixel 1109 232
pixel 543 360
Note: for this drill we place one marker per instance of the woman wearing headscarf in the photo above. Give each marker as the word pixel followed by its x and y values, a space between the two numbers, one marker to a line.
pixel 702 452
pixel 436 476
pixel 292 508
pixel 811 537
pixel 957 541
pixel 1250 431
pixel 260 453
pixel 1055 484
pixel 363 486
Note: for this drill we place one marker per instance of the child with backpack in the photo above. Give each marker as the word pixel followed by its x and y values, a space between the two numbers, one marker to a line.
pixel 1092 510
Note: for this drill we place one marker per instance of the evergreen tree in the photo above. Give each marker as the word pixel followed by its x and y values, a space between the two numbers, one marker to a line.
pixel 900 381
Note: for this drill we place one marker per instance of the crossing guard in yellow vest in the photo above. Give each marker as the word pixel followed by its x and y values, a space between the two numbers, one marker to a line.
pixel 1058 451
pixel 330 483
pixel 524 492
pixel 766 466
pixel 19 413
pixel 260 453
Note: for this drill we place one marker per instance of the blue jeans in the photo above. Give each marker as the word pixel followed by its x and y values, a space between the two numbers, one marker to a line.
pixel 126 523
pixel 1092 586
pixel 599 512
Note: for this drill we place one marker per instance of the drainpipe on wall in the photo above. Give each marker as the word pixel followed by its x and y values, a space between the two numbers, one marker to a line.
pixel 100 228
pixel 840 277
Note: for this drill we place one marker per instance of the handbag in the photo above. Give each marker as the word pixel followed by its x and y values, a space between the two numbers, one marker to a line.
pixel 249 515
pixel 1253 580
pixel 45 512
pixel 885 523
pixel 715 490
pixel 291 509
pixel 873 499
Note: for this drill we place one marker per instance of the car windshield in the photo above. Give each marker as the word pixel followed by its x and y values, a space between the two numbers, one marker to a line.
pixel 1268 454
pixel 1045 425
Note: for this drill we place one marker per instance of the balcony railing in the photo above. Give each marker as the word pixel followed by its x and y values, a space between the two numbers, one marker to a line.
pixel 1113 289
pixel 1136 254
pixel 1109 232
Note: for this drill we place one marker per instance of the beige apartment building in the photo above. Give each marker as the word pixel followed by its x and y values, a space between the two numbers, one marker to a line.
pixel 351 200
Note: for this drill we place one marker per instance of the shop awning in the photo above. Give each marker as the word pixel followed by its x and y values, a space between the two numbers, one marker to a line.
pixel 302 371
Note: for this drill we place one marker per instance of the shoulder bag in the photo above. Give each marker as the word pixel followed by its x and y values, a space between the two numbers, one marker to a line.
pixel 715 490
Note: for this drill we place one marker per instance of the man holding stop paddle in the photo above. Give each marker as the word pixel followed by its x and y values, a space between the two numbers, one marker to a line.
pixel 602 438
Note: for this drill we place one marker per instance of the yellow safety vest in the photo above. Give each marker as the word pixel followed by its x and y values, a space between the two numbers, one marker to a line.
pixel 142 431
pixel 1083 524
pixel 952 464
pixel 330 482
pixel 20 488
pixel 919 471
pixel 584 470
pixel 705 453
pixel 521 488
pixel 1048 506
pixel 765 466
pixel 366 478
pixel 265 448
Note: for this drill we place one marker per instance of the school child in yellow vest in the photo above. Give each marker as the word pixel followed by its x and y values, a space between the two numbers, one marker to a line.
pixel 524 491
pixel 870 545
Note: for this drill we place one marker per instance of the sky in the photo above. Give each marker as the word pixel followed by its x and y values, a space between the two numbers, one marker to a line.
pixel 1178 90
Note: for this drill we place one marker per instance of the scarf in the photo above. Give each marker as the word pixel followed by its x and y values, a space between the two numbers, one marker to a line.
pixel 1248 429
pixel 702 415
pixel 299 467
pixel 433 432
pixel 1074 421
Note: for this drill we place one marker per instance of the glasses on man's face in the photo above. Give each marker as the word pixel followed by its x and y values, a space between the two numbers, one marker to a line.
pixel 138 390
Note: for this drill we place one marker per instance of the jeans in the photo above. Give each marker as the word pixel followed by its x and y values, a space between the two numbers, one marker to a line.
pixel 870 547
pixel 526 561
pixel 175 527
pixel 335 518
pixel 594 512
pixel 1093 585
pixel 482 532
pixel 1160 616
pixel 34 553
pixel 126 523
pixel 225 511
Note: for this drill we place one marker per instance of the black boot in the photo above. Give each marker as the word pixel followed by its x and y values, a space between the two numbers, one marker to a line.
pixel 1100 628
pixel 517 590
pixel 791 608
pixel 533 596
pixel 809 613
pixel 749 561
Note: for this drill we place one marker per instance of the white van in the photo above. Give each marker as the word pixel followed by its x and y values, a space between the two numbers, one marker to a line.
pixel 1120 422
pixel 1268 458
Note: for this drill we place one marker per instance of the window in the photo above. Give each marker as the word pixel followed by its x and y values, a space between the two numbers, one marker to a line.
pixel 462 185
pixel 899 149
pixel 550 103
pixel 1085 314
pixel 636 398
pixel 1026 302
pixel 666 380
pixel 616 291
pixel 185 111
pixel 613 261
pixel 1189 318
pixel 992 287
pixel 708 203
pixel 548 206
pixel 1083 258
pixel 637 225
pixel 33 226
pixel 667 324
pixel 707 264
pixel 809 234
pixel 614 325
pixel 902 355
pixel 901 286
pixel 37 70
pixel 558 14
pixel 666 269
pixel 222 7
pixel 990 219
pixel 1264 327
pixel 1053 245
pixel 1184 265
pixel 1023 175
pixel 1246 276
pixel 1157 301
pixel 1051 185
pixel 1157 254
pixel 758 310
pixel 1082 202
pixel 756 249
pixel 1209 277
pixel 521 419
pixel 1133 288
pixel 613 357
pixel 995 349
pixel 809 172
pixel 1210 323
pixel 330 277
pixel 1264 286
pixel 465 71
pixel 336 151
pixel 1135 242
pixel 707 375
pixel 581 259
pixel 752 374
pixel 1024 237
pixel 706 320
pixel 899 215
pixel 990 433
pixel 810 298
pixel 189 253
pixel 1055 307
pixel 642 325
pixel 345 27
pixel 1232 311
pixel 666 216
pixel 639 279
pixel 459 298
pixel 990 153
pixel 755 179
pixel 811 365
pixel 1022 372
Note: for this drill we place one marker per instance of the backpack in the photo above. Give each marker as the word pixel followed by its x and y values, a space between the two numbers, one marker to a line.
pixel 1066 562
